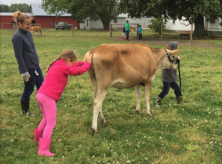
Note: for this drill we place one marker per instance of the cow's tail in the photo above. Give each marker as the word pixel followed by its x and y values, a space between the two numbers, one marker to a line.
pixel 92 76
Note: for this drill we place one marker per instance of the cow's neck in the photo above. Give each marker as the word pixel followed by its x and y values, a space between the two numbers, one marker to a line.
pixel 158 57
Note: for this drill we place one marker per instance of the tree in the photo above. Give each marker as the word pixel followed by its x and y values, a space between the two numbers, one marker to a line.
pixel 23 7
pixel 4 8
pixel 192 10
pixel 81 9
pixel 156 24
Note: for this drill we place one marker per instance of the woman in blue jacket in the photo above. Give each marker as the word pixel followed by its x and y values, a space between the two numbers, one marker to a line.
pixel 27 59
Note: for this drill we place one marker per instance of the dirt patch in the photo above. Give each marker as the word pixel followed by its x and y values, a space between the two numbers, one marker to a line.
pixel 165 43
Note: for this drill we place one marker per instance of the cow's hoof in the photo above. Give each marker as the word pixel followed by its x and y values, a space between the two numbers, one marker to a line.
pixel 104 123
pixel 137 112
pixel 94 131
pixel 151 115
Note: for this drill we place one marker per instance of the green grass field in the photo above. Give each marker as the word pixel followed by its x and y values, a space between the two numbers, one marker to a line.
pixel 188 133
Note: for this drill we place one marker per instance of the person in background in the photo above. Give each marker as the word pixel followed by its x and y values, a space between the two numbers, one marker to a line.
pixel 169 78
pixel 27 59
pixel 50 92
pixel 123 32
pixel 127 29
pixel 140 32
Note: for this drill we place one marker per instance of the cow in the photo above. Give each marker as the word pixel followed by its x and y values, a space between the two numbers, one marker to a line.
pixel 132 29
pixel 35 29
pixel 124 66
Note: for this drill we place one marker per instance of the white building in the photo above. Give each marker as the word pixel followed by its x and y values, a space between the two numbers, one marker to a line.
pixel 121 18
pixel 180 25
pixel 175 25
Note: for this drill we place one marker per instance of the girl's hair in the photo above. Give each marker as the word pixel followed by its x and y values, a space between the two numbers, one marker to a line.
pixel 65 55
pixel 20 17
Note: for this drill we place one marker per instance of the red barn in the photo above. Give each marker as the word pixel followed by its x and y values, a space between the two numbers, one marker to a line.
pixel 39 16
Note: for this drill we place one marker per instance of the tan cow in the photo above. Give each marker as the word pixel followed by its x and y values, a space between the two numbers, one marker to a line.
pixel 35 29
pixel 132 29
pixel 124 66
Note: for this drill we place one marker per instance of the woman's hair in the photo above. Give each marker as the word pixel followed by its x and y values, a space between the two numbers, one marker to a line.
pixel 65 55
pixel 20 17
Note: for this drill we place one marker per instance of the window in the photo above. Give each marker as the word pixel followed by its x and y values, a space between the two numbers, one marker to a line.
pixel 174 21
pixel 212 20
pixel 115 20
pixel 53 23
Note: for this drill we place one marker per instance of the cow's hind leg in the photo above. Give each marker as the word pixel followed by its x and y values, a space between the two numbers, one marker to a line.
pixel 147 96
pixel 97 109
pixel 102 118
pixel 138 96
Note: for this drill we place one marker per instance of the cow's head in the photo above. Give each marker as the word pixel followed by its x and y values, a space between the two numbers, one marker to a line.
pixel 168 61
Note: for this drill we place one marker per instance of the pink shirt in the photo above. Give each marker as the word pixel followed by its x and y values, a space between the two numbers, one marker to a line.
pixel 57 77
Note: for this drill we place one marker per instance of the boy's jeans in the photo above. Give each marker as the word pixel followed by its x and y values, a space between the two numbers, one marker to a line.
pixel 140 36
pixel 127 35
pixel 166 88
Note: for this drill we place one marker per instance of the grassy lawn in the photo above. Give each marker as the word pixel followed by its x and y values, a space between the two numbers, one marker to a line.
pixel 188 133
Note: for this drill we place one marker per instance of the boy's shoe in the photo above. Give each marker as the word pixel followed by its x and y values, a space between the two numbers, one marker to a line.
pixel 179 99
pixel 158 101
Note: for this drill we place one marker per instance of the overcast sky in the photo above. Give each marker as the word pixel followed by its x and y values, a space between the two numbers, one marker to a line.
pixel 9 2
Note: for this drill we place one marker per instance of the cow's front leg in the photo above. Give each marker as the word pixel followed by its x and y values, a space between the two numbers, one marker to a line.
pixel 97 107
pixel 147 96
pixel 138 96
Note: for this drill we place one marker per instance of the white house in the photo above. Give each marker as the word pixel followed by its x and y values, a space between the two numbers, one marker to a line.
pixel 121 18
pixel 180 25
pixel 175 25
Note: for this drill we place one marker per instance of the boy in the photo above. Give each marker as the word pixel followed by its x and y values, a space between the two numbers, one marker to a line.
pixel 169 78
pixel 140 32
pixel 127 30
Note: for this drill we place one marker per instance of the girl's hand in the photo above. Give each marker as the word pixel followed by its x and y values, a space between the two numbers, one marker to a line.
pixel 87 57
pixel 178 57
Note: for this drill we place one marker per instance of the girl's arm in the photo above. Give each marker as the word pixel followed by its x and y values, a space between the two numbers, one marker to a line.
pixel 78 64
pixel 73 70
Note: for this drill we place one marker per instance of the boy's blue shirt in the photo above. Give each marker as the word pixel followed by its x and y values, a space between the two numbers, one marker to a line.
pixel 140 30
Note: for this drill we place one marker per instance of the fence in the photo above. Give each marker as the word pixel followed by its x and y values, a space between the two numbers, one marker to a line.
pixel 111 25
pixel 12 26
pixel 44 31
pixel 147 34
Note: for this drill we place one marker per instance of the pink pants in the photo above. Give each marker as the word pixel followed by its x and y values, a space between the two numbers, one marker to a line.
pixel 48 108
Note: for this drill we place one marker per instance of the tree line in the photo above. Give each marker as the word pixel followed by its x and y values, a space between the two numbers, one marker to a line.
pixel 23 7
pixel 107 10
pixel 192 11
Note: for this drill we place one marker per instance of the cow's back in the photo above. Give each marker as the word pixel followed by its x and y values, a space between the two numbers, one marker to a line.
pixel 122 66
pixel 35 28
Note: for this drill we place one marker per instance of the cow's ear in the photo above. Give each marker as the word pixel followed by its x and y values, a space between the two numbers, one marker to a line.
pixel 167 48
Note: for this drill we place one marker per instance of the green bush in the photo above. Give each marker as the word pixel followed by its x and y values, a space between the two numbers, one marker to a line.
pixel 155 24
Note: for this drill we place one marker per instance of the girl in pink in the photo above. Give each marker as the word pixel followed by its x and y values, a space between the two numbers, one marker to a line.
pixel 50 92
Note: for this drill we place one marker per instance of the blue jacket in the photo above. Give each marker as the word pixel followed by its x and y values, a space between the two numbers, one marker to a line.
pixel 140 30
pixel 25 51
